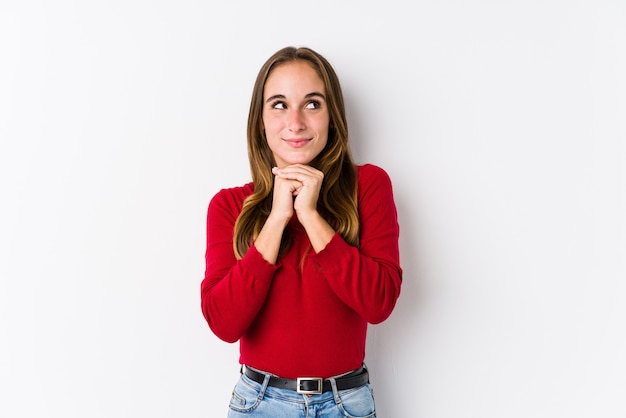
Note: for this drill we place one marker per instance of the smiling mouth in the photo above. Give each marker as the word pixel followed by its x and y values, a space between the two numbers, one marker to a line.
pixel 297 143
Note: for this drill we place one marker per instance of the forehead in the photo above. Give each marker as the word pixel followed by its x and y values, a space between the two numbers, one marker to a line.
pixel 294 76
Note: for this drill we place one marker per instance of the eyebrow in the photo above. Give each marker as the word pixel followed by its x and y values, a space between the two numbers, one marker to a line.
pixel 282 96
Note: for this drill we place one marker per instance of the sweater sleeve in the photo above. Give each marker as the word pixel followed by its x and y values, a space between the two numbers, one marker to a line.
pixel 233 291
pixel 367 278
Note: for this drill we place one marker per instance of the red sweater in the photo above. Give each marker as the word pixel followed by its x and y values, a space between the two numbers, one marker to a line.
pixel 308 320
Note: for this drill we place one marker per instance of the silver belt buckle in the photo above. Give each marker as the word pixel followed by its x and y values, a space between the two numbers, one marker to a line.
pixel 319 381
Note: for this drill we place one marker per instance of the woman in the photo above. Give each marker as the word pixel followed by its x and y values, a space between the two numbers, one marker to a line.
pixel 301 259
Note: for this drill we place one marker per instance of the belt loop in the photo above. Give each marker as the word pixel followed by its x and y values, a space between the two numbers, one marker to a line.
pixel 368 372
pixel 333 384
pixel 266 381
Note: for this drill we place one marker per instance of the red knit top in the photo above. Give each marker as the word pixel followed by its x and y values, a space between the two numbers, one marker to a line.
pixel 305 316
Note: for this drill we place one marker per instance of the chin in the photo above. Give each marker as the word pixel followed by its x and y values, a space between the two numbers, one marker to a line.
pixel 302 160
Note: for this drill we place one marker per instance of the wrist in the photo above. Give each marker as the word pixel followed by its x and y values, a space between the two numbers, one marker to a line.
pixel 309 216
pixel 279 221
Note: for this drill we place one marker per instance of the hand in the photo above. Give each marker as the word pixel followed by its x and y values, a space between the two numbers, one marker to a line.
pixel 300 181
pixel 283 197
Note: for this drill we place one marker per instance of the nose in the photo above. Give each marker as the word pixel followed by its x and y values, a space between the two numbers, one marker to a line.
pixel 296 121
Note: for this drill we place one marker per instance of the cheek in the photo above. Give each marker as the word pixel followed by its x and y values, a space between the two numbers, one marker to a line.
pixel 271 126
pixel 324 129
pixel 324 124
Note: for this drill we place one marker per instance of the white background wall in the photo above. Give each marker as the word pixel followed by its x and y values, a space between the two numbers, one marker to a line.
pixel 501 123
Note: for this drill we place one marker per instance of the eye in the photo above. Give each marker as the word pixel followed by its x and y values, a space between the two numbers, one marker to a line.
pixel 313 104
pixel 279 105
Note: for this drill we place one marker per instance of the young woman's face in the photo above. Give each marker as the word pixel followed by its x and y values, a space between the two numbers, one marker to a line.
pixel 295 113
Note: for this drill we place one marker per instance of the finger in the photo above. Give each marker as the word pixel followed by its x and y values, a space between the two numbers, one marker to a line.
pixel 300 173
pixel 297 168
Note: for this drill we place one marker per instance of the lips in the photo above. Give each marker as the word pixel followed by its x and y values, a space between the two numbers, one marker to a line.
pixel 297 142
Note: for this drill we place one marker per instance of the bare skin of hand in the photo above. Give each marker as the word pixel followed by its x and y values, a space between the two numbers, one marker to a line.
pixel 296 189
pixel 304 183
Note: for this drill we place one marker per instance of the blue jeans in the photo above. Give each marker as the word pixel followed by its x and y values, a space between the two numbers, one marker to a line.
pixel 255 400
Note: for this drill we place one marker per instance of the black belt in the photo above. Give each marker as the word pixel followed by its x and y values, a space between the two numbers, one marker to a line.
pixel 312 385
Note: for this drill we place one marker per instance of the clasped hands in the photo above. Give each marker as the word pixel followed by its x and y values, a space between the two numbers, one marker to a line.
pixel 296 189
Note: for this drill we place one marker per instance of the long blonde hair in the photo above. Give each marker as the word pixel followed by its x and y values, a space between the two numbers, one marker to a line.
pixel 337 202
